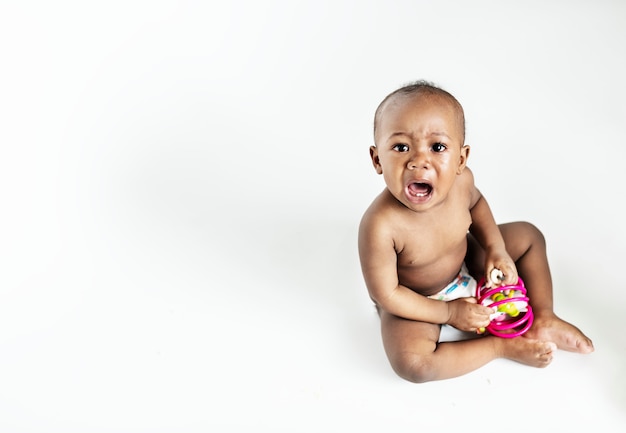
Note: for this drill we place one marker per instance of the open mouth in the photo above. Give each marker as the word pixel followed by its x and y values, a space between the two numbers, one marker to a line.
pixel 419 189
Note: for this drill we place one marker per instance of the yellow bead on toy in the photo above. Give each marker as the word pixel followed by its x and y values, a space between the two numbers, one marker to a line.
pixel 497 297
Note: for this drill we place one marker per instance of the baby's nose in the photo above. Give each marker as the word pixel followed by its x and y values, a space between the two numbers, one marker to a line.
pixel 419 160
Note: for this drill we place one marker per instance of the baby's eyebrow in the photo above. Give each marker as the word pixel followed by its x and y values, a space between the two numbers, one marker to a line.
pixel 440 134
pixel 398 134
pixel 410 135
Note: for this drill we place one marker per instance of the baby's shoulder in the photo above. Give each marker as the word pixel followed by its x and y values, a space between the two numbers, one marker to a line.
pixel 382 215
pixel 466 177
pixel 466 188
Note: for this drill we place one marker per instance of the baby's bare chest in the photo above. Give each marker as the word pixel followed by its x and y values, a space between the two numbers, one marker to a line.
pixel 429 258
pixel 442 238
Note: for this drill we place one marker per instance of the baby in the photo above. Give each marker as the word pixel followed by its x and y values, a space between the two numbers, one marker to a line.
pixel 430 234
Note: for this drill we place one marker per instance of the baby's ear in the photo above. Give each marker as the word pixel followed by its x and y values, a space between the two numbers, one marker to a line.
pixel 375 160
pixel 465 150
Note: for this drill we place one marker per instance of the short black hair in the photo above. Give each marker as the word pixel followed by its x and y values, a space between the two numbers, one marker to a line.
pixel 426 88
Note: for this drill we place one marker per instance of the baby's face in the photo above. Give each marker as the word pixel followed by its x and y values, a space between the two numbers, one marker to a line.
pixel 419 149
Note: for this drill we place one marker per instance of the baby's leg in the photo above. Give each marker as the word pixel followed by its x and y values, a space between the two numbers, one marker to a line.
pixel 526 245
pixel 416 356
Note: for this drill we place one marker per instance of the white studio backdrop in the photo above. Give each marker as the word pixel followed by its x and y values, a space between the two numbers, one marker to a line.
pixel 172 172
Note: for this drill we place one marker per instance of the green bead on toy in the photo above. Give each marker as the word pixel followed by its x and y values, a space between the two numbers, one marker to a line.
pixel 508 308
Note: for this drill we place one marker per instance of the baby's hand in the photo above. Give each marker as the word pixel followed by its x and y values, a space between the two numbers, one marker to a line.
pixel 500 270
pixel 467 315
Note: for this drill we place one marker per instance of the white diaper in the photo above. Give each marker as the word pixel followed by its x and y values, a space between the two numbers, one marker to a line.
pixel 463 286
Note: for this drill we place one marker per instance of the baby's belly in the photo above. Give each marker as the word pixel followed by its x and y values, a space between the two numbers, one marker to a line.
pixel 431 279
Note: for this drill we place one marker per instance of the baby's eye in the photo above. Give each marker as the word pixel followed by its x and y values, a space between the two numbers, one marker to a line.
pixel 439 147
pixel 401 147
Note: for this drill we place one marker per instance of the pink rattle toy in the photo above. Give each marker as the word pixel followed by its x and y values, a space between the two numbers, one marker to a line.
pixel 512 315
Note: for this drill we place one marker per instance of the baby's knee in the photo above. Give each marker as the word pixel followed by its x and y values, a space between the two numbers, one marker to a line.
pixel 536 235
pixel 532 233
pixel 413 367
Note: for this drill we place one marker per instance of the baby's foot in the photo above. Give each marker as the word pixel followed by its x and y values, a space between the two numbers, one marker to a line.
pixel 564 334
pixel 528 351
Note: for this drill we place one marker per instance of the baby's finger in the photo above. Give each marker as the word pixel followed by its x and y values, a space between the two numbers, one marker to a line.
pixel 510 276
pixel 486 312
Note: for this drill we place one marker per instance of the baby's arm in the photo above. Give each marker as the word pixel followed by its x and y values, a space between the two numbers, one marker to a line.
pixel 379 265
pixel 487 233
